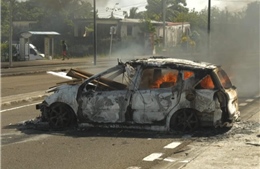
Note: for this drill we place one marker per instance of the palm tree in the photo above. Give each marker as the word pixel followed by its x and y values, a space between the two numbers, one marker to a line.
pixel 133 13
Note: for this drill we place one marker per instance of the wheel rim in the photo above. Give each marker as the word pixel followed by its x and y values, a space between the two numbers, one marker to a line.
pixel 185 121
pixel 59 116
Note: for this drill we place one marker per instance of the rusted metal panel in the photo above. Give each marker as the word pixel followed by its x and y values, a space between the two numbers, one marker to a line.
pixel 152 105
pixel 106 106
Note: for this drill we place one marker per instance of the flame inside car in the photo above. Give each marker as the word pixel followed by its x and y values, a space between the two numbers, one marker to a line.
pixel 170 78
pixel 207 83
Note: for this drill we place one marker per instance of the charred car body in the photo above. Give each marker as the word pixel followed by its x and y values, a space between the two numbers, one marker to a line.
pixel 156 93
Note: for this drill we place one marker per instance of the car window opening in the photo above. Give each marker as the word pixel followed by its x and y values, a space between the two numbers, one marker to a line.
pixel 206 83
pixel 158 78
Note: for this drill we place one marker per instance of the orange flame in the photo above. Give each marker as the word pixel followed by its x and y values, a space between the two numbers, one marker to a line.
pixel 187 74
pixel 169 77
pixel 207 83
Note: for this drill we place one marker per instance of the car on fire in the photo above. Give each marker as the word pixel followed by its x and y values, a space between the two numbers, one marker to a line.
pixel 155 93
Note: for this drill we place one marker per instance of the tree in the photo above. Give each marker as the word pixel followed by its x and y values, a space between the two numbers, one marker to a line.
pixel 59 15
pixel 134 14
pixel 5 17
pixel 173 8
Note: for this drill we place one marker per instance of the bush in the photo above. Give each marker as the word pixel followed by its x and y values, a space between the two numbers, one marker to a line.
pixel 5 51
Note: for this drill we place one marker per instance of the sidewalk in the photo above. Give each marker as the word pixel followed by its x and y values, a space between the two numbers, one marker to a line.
pixel 16 64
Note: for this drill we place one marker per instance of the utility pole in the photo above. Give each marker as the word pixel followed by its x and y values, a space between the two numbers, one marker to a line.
pixel 11 34
pixel 95 33
pixel 164 15
pixel 209 14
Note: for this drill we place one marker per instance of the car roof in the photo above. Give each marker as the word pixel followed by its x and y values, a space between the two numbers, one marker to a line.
pixel 161 61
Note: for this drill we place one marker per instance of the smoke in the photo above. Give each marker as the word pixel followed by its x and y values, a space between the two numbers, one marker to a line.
pixel 234 5
pixel 234 44
pixel 99 3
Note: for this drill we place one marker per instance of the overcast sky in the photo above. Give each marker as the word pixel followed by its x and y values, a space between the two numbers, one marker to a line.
pixel 125 5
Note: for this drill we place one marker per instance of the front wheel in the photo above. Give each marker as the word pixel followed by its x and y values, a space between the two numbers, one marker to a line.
pixel 185 120
pixel 61 116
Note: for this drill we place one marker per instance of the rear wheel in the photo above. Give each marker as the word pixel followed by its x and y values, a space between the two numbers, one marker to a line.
pixel 61 116
pixel 185 120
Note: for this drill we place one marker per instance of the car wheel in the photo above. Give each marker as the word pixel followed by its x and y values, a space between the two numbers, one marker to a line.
pixel 61 116
pixel 185 120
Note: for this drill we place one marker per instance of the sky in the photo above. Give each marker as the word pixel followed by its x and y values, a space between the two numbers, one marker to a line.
pixel 104 6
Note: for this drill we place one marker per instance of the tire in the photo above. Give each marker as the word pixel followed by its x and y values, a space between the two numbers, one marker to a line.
pixel 185 120
pixel 61 116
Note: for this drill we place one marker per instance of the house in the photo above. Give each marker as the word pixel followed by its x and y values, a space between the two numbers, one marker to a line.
pixel 129 32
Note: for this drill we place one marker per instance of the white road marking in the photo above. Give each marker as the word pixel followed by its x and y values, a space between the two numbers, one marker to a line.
pixel 169 159
pixel 172 145
pixel 185 161
pixel 19 107
pixel 134 167
pixel 242 104
pixel 249 100
pixel 153 157
pixel 16 133
pixel 35 138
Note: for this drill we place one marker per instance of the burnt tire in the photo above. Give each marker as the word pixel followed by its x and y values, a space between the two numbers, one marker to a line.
pixel 61 116
pixel 185 120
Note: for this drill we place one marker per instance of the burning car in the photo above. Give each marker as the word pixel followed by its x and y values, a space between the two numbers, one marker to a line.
pixel 156 93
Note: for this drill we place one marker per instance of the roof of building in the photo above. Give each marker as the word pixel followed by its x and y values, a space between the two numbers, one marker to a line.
pixel 43 33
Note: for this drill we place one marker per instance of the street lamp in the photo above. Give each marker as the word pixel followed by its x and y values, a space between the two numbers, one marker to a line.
pixel 11 34
pixel 95 33
pixel 164 15
pixel 209 14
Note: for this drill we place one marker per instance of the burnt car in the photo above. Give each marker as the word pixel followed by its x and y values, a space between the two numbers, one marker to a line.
pixel 156 93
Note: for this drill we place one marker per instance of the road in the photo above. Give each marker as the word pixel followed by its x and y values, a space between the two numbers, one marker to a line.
pixel 23 147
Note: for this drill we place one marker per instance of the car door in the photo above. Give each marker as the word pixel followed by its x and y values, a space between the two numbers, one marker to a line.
pixel 155 96
pixel 105 106
pixel 102 99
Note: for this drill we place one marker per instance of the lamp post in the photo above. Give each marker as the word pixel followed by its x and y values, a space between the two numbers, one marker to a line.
pixel 11 34
pixel 164 15
pixel 95 33
pixel 209 14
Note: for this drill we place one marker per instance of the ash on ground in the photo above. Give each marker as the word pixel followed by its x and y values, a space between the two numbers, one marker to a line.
pixel 243 130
